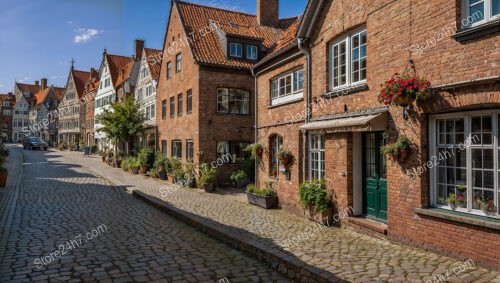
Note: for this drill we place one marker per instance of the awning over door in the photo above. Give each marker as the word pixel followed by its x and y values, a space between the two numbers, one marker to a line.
pixel 366 123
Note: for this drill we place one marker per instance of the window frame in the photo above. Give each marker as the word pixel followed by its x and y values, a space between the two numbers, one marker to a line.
pixel 347 39
pixel 275 142
pixel 321 162
pixel 172 153
pixel 164 109
pixel 178 62
pixel 169 70
pixel 180 100
pixel 467 117
pixel 252 47
pixel 231 44
pixel 287 97
pixel 487 13
pixel 229 101
pixel 172 107
pixel 189 153
pixel 230 143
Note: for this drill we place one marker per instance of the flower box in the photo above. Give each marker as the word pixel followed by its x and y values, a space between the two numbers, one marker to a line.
pixel 265 202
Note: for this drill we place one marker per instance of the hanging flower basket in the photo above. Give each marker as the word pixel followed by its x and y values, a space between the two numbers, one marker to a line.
pixel 399 150
pixel 402 90
pixel 285 156
pixel 256 150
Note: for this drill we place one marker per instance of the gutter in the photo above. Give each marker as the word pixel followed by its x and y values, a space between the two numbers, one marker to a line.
pixel 308 102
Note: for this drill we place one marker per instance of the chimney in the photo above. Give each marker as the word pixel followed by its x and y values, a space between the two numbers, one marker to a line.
pixel 37 83
pixel 44 83
pixel 138 47
pixel 268 12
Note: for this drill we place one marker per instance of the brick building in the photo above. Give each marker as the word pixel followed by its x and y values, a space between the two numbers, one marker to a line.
pixel 205 101
pixel 91 87
pixel 8 102
pixel 24 93
pixel 341 126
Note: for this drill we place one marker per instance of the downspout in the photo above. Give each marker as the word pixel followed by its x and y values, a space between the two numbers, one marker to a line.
pixel 256 165
pixel 308 103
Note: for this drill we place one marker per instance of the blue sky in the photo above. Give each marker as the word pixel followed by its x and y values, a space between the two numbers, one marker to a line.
pixel 38 38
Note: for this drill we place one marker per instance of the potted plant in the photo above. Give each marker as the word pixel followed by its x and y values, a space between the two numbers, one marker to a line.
pixel 189 171
pixel 398 150
pixel 460 196
pixel 316 201
pixel 285 156
pixel 172 165
pixel 256 150
pixel 239 179
pixel 207 177
pixel 127 163
pixel 452 201
pixel 486 204
pixel 179 176
pixel 402 90
pixel 266 198
pixel 153 173
pixel 160 164
pixel 135 166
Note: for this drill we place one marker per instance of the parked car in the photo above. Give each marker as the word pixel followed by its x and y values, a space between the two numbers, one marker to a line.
pixel 34 143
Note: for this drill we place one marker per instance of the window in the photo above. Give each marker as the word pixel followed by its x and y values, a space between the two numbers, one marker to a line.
pixel 7 112
pixel 189 101
pixel 275 143
pixel 107 82
pixel 316 157
pixel 144 73
pixel 178 60
pixel 348 60
pixel 476 12
pixel 172 107
pixel 179 104
pixel 6 104
pixel 152 111
pixel 466 150
pixel 233 101
pixel 164 147
pixel 149 90
pixel 232 151
pixel 189 150
pixel 287 87
pixel 252 52
pixel 164 109
pixel 177 149
pixel 236 50
pixel 139 94
pixel 169 70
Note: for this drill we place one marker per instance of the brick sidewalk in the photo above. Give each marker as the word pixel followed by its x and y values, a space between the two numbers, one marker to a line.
pixel 341 252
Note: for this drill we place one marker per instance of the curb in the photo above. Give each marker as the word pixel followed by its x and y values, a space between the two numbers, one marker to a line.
pixel 281 262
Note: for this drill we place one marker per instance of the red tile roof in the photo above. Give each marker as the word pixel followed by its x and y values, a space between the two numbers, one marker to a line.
pixel 154 65
pixel 208 49
pixel 119 67
pixel 59 91
pixel 80 78
pixel 32 89
pixel 8 97
pixel 288 38
pixel 40 96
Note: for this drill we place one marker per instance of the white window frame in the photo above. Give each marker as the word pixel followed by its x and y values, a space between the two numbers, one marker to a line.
pixel 347 38
pixel 487 14
pixel 276 86
pixel 467 116
pixel 252 50
pixel 321 163
pixel 238 47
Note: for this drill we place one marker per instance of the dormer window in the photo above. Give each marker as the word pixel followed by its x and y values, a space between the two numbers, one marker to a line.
pixel 236 50
pixel 252 52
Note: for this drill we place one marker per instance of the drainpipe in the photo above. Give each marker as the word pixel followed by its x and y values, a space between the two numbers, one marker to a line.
pixel 308 107
pixel 256 165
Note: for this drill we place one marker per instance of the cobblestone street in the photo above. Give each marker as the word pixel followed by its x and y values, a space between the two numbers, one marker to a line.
pixel 346 254
pixel 57 202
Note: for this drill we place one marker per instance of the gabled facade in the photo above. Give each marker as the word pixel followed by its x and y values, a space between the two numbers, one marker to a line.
pixel 8 102
pixel 113 72
pixel 352 50
pixel 23 93
pixel 145 95
pixel 72 108
pixel 43 116
pixel 205 100
pixel 91 87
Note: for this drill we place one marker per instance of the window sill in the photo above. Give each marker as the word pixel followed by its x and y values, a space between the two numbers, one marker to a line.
pixel 461 217
pixel 285 103
pixel 346 90
pixel 478 31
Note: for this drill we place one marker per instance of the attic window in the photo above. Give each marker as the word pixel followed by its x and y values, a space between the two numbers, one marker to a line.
pixel 234 25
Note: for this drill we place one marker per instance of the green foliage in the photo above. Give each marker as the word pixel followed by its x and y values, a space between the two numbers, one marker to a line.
pixel 403 143
pixel 315 194
pixel 238 175
pixel 160 160
pixel 122 120
pixel 207 174
pixel 173 164
pixel 127 163
pixel 451 198
pixel 254 149
pixel 267 192
pixel 4 151
pixel 146 157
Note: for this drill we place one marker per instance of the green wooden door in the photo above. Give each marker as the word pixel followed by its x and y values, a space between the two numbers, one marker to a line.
pixel 374 177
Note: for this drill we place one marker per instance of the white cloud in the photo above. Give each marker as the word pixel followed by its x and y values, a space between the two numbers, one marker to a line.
pixel 69 22
pixel 1 86
pixel 24 80
pixel 85 34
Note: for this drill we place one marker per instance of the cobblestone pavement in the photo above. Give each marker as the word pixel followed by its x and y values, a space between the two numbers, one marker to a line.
pixel 343 252
pixel 108 235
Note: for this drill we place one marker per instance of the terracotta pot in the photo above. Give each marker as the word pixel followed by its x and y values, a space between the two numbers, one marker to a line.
pixel 326 217
pixel 285 160
pixel 406 100
pixel 135 170
pixel 170 178
pixel 404 154
pixel 393 156
pixel 3 178
pixel 259 151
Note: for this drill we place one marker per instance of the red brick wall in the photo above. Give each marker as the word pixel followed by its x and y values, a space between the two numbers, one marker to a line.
pixel 285 121
pixel 185 127
pixel 389 46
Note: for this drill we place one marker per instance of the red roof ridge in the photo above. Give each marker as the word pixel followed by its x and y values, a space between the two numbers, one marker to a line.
pixel 215 8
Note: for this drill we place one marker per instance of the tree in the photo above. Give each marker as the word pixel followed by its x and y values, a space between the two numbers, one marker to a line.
pixel 122 121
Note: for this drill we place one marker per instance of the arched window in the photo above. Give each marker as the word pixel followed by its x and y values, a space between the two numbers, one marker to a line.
pixel 275 142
